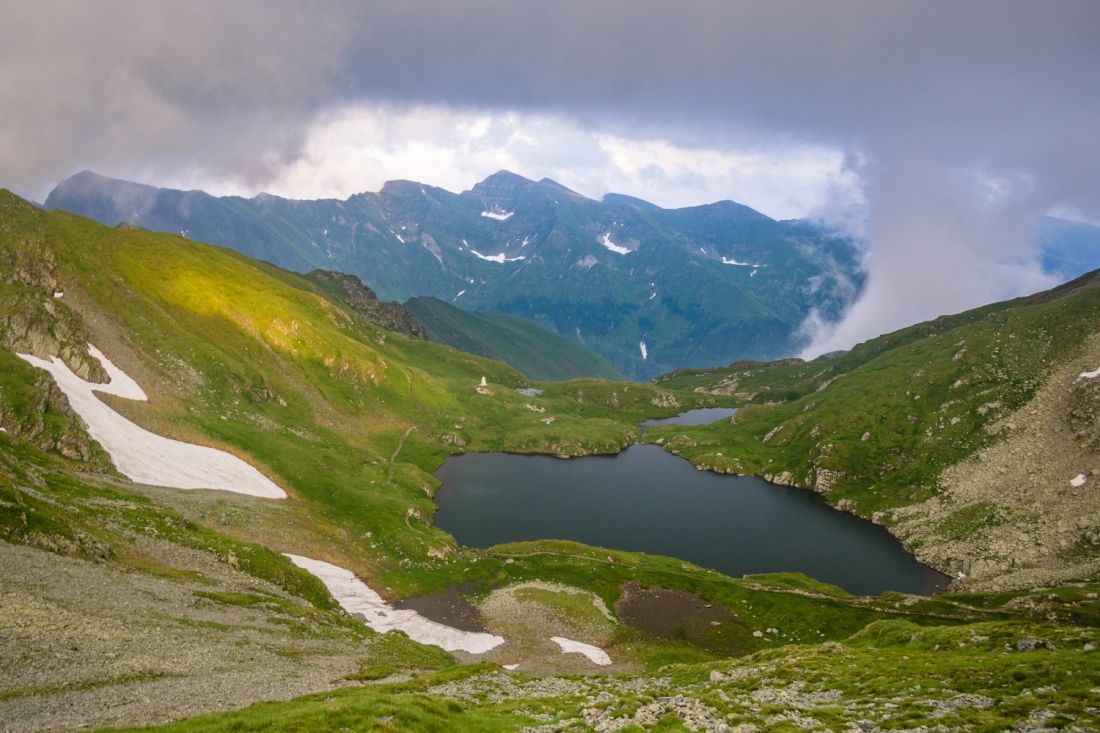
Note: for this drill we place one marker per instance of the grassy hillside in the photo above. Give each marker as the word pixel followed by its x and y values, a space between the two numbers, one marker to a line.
pixel 876 428
pixel 522 344
pixel 126 603
pixel 244 356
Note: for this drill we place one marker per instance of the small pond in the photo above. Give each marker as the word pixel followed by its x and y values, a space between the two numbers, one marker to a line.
pixel 647 500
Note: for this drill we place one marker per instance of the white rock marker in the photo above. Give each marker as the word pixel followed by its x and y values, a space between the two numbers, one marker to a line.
pixel 356 597
pixel 143 456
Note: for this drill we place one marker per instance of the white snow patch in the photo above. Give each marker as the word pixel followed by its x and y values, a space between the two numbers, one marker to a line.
pixel 605 240
pixel 357 598
pixel 460 294
pixel 525 241
pixel 465 243
pixel 498 215
pixel 499 259
pixel 1078 480
pixel 399 237
pixel 733 261
pixel 1082 375
pixel 652 295
pixel 59 293
pixel 644 350
pixel 594 653
pixel 753 273
pixel 510 667
pixel 143 456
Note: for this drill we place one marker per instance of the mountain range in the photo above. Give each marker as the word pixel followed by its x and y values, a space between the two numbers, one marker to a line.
pixel 649 289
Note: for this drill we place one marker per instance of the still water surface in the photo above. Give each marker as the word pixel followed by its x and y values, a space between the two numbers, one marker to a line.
pixel 647 500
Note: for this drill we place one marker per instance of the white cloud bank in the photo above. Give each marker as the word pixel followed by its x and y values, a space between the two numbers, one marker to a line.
pixel 359 147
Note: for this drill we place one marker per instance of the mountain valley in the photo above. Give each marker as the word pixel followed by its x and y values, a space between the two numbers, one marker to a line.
pixel 134 603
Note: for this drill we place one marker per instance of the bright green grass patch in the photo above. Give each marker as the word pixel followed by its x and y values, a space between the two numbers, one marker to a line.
pixel 970 520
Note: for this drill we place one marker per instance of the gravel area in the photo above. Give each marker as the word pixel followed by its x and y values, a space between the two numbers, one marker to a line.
pixel 86 644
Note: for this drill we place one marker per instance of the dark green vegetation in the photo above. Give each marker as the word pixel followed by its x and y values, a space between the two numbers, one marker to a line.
pixel 875 427
pixel 522 344
pixel 350 418
pixel 673 290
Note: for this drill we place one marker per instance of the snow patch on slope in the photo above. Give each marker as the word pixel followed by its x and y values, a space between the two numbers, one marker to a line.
pixel 143 456
pixel 1087 375
pixel 605 240
pixel 644 350
pixel 594 653
pixel 733 261
pixel 498 215
pixel 1078 480
pixel 357 598
pixel 499 259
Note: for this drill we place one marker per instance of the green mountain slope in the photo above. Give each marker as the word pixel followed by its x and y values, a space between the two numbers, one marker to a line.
pixel 699 286
pixel 898 430
pixel 522 344
pixel 126 603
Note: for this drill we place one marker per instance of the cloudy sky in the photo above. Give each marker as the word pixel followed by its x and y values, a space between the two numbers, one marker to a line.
pixel 956 125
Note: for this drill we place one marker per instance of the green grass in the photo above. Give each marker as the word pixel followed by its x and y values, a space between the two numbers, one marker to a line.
pixel 352 419
pixel 537 352
pixel 886 418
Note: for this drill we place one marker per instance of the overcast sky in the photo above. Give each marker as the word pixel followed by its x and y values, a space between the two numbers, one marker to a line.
pixel 958 124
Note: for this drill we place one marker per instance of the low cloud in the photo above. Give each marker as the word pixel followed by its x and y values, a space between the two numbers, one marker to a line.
pixel 968 121
pixel 359 147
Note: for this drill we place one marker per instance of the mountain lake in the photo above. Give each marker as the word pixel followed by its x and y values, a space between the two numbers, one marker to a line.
pixel 647 500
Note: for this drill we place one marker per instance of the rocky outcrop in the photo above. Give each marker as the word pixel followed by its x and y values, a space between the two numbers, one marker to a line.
pixel 41 415
pixel 37 324
pixel 351 291
pixel 33 316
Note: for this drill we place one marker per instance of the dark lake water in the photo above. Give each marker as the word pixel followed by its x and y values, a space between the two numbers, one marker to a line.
pixel 700 416
pixel 647 500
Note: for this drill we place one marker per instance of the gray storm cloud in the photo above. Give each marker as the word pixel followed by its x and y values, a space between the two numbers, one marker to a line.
pixel 970 119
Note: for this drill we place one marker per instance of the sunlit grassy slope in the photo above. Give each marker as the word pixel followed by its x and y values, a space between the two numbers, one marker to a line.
pixel 347 417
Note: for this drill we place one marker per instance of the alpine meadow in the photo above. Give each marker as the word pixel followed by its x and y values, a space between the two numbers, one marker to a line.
pixel 491 366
